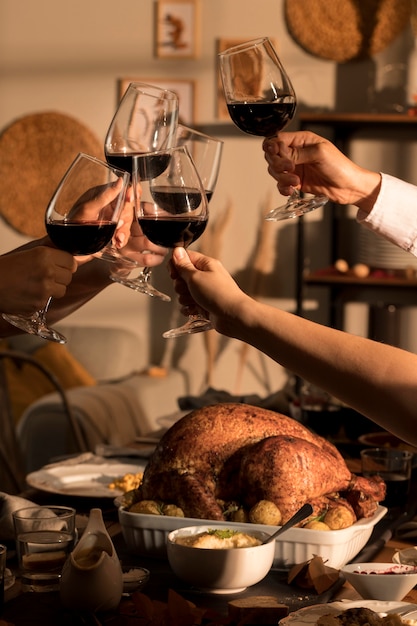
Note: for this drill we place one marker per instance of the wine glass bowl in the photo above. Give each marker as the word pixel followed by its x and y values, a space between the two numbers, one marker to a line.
pixel 206 153
pixel 81 218
pixel 172 209
pixel 261 101
pixel 145 121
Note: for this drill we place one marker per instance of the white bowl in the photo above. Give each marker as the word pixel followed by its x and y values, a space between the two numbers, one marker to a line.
pixel 146 535
pixel 381 581
pixel 218 570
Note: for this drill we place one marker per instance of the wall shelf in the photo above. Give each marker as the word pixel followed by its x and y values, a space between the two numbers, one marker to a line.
pixel 343 289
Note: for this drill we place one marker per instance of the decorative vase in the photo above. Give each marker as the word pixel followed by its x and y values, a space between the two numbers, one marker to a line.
pixel 92 578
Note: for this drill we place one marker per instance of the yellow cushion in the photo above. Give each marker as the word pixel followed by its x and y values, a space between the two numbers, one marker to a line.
pixel 27 383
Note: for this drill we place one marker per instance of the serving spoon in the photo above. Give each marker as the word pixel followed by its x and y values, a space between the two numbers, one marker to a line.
pixel 301 514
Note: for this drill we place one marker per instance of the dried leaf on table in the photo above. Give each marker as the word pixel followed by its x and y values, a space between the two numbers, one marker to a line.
pixel 313 574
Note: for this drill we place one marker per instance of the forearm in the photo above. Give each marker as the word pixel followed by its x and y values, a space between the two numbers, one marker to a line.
pixel 377 380
pixel 89 280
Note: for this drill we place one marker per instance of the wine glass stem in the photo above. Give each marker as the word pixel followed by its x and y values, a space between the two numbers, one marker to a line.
pixel 40 316
pixel 146 274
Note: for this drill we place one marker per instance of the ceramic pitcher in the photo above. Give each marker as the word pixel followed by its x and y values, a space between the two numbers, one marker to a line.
pixel 92 577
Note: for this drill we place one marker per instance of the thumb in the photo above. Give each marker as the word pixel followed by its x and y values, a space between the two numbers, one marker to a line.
pixel 181 260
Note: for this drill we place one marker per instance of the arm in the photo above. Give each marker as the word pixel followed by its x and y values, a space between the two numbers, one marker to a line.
pixel 377 380
pixel 387 205
pixel 306 160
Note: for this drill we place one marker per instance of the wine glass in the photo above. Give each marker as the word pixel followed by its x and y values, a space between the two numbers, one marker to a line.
pixel 145 121
pixel 261 101
pixel 172 209
pixel 206 153
pixel 81 218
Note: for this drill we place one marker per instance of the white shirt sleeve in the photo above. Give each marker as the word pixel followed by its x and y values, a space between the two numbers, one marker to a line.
pixel 394 214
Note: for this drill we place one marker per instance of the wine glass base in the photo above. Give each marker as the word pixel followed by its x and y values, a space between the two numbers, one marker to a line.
pixel 193 325
pixel 141 286
pixel 296 207
pixel 33 326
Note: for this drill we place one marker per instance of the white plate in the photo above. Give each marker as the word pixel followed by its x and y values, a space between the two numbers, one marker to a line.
pixel 85 479
pixel 309 614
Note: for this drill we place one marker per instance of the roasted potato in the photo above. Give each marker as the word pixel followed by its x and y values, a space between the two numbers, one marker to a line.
pixel 339 517
pixel 265 512
pixel 150 507
pixel 173 510
pixel 240 515
pixel 315 524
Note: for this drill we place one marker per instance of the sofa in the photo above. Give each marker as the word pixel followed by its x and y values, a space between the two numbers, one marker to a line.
pixel 117 400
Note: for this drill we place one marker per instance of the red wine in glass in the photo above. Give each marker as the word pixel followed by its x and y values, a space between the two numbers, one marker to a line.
pixel 263 119
pixel 80 238
pixel 156 163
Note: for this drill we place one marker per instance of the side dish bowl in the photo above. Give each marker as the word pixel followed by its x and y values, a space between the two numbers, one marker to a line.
pixel 219 570
pixel 381 581
pixel 146 535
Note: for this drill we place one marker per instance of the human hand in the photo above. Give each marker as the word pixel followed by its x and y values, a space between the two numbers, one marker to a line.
pixel 202 283
pixel 30 276
pixel 140 249
pixel 306 160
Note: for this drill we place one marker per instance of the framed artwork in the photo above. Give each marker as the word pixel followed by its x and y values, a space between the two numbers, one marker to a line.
pixel 177 25
pixel 185 90
pixel 223 44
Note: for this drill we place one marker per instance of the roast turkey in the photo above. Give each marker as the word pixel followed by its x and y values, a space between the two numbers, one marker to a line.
pixel 242 453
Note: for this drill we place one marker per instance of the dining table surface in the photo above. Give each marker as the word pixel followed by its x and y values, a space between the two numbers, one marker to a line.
pixel 164 591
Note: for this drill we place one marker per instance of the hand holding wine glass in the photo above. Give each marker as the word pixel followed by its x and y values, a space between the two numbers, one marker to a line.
pixel 172 209
pixel 261 101
pixel 81 218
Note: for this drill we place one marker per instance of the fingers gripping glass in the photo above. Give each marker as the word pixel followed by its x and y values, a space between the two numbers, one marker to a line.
pixel 172 209
pixel 261 101
pixel 81 218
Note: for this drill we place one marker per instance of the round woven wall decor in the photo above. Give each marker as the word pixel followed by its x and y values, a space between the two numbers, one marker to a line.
pixel 35 152
pixel 343 30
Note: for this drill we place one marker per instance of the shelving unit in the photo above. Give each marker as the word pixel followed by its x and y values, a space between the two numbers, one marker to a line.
pixel 397 291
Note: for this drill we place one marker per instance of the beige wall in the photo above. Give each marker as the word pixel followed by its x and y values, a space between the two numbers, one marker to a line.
pixel 67 56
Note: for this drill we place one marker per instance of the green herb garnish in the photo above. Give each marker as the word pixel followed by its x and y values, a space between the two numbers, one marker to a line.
pixel 222 534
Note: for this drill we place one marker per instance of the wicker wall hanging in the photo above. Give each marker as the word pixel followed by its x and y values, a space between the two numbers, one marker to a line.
pixel 35 152
pixel 344 30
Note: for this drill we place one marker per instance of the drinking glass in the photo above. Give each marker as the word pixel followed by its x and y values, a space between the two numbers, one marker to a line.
pixel 394 467
pixel 81 218
pixel 45 537
pixel 261 101
pixel 172 209
pixel 145 121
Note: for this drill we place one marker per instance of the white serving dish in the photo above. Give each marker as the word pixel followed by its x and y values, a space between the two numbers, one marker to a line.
pixel 381 581
pixel 217 570
pixel 147 535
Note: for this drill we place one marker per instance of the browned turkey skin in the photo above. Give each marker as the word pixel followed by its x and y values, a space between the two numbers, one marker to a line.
pixel 244 453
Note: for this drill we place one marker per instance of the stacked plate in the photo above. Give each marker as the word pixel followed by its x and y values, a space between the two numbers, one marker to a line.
pixel 377 252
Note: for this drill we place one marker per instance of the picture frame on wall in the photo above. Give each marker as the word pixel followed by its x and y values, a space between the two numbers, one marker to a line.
pixel 177 26
pixel 222 45
pixel 184 88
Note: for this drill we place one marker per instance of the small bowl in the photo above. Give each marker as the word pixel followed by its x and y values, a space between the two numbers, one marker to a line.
pixel 134 578
pixel 218 570
pixel 381 581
